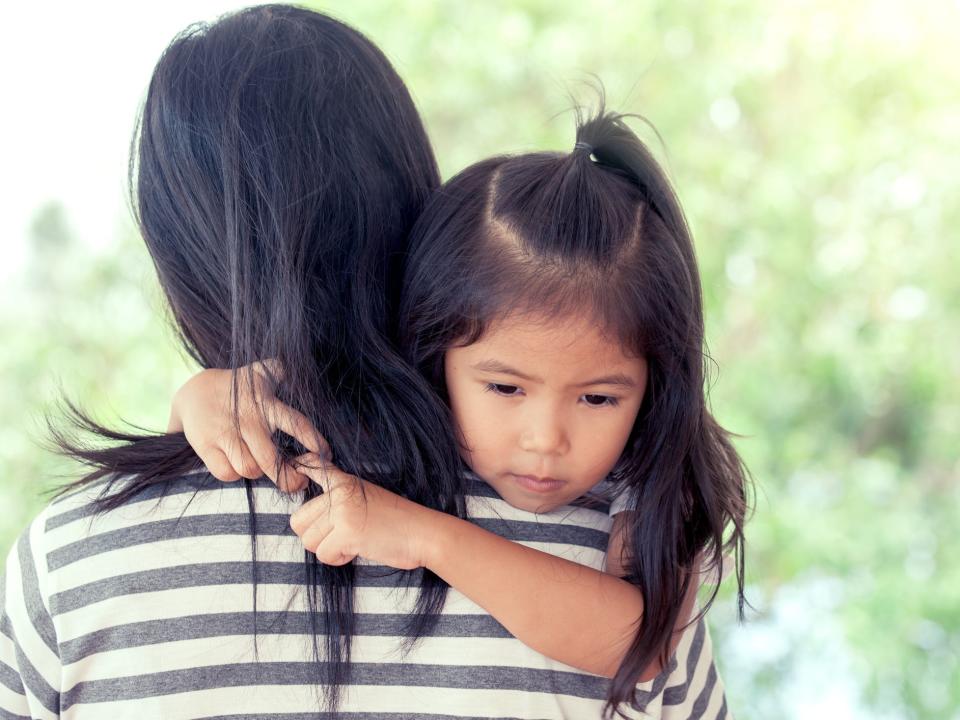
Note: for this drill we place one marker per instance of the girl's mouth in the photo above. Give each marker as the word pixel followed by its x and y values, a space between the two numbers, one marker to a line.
pixel 538 484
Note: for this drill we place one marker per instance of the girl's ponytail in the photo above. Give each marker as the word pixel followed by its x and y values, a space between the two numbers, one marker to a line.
pixel 683 479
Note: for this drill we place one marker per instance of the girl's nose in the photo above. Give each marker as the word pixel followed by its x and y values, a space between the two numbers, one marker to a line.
pixel 544 435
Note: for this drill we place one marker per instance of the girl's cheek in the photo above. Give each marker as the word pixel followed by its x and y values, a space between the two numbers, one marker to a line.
pixel 465 438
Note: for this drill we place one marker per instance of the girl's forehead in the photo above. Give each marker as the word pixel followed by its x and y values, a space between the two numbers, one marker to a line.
pixel 581 330
pixel 534 327
pixel 548 345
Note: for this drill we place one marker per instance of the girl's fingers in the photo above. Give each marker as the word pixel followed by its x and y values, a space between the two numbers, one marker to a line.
pixel 258 435
pixel 240 457
pixel 309 513
pixel 269 369
pixel 328 477
pixel 295 424
pixel 290 480
pixel 314 534
pixel 217 464
pixel 323 473
pixel 330 552
pixel 314 521
pixel 258 441
pixel 336 559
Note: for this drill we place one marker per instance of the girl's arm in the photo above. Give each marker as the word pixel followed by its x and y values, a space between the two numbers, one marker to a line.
pixel 567 611
pixel 564 610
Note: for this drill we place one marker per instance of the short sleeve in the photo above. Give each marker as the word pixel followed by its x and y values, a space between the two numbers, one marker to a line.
pixel 29 654
pixel 693 687
pixel 689 687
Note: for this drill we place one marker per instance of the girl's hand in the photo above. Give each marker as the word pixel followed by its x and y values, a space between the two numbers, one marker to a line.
pixel 354 518
pixel 241 446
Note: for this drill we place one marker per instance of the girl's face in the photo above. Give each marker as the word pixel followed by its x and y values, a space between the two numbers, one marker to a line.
pixel 544 407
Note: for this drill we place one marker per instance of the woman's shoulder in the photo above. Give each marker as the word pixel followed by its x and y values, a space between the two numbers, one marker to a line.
pixel 164 509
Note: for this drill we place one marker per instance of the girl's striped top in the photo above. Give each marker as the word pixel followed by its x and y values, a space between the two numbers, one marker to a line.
pixel 147 612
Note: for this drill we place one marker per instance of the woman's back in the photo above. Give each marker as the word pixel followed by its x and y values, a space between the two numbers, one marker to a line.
pixel 147 611
pixel 278 165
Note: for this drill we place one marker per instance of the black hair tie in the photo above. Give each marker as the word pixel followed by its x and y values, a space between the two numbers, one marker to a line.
pixel 580 145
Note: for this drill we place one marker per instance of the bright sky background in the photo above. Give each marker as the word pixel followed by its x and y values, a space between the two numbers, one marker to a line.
pixel 73 76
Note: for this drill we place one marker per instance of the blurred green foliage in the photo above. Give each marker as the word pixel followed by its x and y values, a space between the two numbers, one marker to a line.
pixel 815 148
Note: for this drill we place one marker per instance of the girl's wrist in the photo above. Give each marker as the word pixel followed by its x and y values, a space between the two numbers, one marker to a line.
pixel 434 535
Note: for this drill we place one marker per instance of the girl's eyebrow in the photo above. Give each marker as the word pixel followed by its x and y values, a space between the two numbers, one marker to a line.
pixel 495 366
pixel 615 379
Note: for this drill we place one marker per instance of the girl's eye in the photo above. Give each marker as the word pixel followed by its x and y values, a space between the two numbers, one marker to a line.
pixel 505 390
pixel 600 400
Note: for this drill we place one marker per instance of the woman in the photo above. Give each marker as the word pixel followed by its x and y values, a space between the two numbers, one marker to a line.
pixel 279 166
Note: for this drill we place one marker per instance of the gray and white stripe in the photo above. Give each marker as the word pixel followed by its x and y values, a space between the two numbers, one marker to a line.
pixel 147 612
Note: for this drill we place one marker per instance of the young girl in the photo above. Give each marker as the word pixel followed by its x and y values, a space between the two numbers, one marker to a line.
pixel 554 301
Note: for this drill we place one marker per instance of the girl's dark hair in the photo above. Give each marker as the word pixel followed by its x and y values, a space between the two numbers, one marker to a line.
pixel 278 166
pixel 600 231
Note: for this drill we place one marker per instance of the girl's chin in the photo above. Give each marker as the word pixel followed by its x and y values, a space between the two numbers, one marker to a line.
pixel 537 502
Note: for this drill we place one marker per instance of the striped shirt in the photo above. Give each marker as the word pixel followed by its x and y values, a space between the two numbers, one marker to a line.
pixel 147 612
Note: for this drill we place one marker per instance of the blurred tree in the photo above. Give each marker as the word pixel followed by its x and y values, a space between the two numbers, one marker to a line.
pixel 814 147
pixel 81 325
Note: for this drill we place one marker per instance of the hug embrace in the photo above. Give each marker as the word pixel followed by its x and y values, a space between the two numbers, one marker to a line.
pixel 450 455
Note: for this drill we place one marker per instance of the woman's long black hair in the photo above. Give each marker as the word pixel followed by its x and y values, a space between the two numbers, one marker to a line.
pixel 278 166
pixel 600 231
